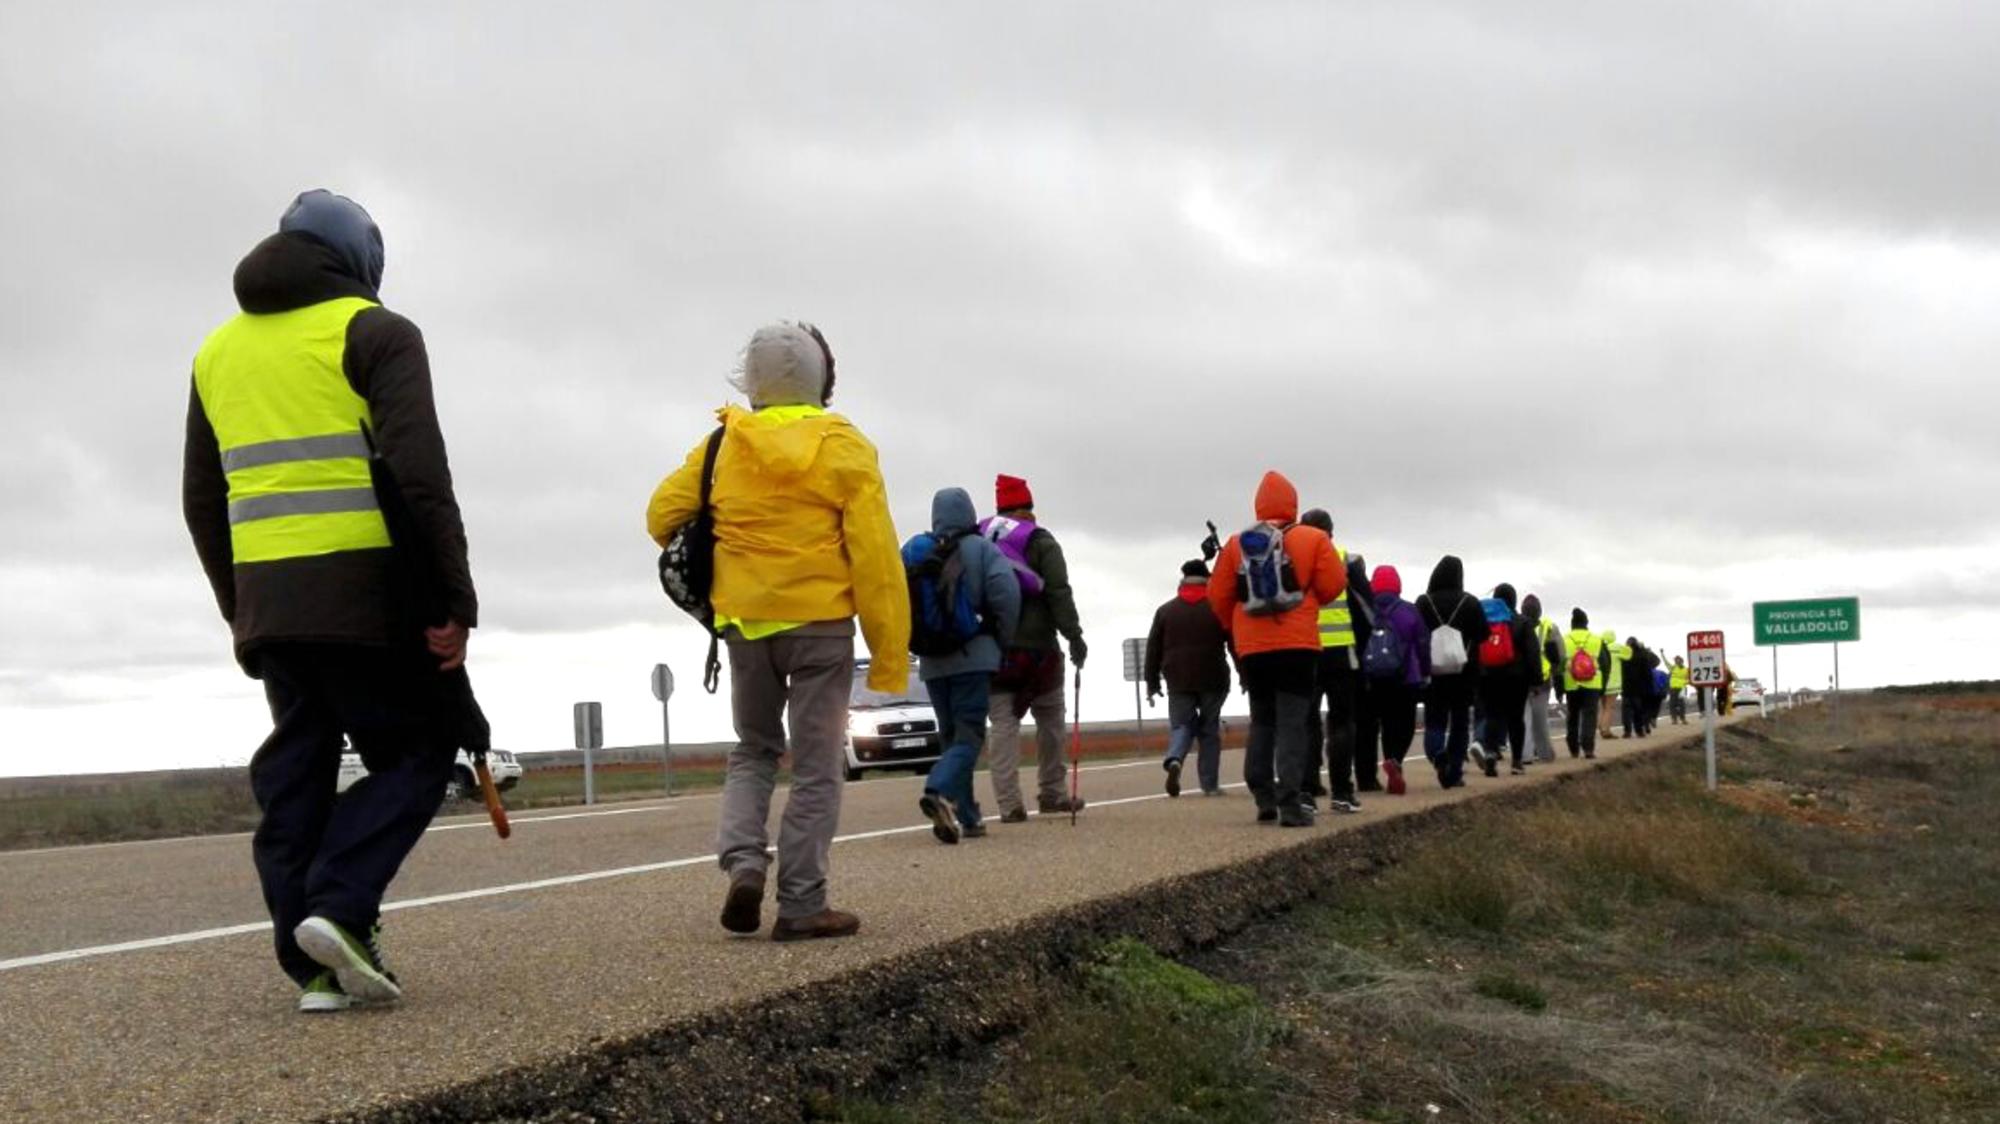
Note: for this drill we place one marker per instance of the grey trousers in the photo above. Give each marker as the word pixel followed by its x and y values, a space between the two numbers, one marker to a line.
pixel 803 676
pixel 1003 749
pixel 1539 744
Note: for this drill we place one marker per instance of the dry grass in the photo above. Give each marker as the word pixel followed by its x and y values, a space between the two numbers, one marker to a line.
pixel 1812 944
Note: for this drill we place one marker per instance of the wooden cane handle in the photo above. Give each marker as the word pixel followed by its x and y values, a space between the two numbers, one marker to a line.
pixel 494 809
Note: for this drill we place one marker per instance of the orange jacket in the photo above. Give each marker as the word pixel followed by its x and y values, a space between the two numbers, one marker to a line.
pixel 1321 577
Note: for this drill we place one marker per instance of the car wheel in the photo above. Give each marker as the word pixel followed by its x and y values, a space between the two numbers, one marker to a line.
pixel 461 786
pixel 853 774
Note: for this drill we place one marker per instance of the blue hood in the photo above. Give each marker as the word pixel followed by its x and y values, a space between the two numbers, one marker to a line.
pixel 344 227
pixel 952 510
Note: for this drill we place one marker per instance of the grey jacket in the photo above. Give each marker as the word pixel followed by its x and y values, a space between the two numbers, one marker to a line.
pixel 996 592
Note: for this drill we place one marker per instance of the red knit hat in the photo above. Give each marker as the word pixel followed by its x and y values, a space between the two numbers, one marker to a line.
pixel 1010 492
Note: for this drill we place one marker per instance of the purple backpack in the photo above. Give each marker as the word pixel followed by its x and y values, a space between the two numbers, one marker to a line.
pixel 1011 536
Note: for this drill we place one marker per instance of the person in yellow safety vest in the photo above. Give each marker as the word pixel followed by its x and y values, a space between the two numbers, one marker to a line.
pixel 1677 681
pixel 1548 644
pixel 292 402
pixel 1614 676
pixel 1331 736
pixel 1585 694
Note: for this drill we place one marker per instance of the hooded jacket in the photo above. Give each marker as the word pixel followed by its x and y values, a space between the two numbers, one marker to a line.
pixel 1187 644
pixel 802 528
pixel 1408 623
pixel 1315 563
pixel 347 597
pixel 1445 603
pixel 1614 668
pixel 995 591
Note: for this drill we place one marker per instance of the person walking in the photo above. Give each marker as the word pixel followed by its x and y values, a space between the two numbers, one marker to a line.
pixel 1611 708
pixel 1586 668
pixel 1331 739
pixel 971 605
pixel 297 403
pixel 1548 647
pixel 1397 661
pixel 1267 589
pixel 803 545
pixel 1509 662
pixel 1677 703
pixel 1635 664
pixel 1444 606
pixel 1188 648
pixel 1030 680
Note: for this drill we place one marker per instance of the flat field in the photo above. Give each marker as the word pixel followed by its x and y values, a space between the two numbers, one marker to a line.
pixel 1815 942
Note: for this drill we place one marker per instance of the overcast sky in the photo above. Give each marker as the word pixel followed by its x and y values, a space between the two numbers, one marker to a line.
pixel 1655 314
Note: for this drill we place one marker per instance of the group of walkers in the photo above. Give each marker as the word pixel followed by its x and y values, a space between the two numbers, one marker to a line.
pixel 318 496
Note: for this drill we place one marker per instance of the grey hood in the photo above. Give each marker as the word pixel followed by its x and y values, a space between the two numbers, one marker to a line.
pixel 952 511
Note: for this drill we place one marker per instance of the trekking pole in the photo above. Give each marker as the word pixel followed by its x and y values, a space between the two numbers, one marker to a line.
pixel 1075 742
pixel 495 811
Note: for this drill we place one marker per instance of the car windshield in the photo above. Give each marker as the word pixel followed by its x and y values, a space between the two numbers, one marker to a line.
pixel 912 694
pixel 1750 684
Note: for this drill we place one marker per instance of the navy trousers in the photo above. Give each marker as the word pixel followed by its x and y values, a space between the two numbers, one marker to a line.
pixel 327 855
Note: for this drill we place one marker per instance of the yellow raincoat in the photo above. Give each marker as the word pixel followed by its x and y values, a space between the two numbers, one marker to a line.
pixel 802 529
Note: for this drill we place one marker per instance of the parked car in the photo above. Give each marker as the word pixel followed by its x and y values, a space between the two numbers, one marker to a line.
pixel 1748 692
pixel 464 784
pixel 890 731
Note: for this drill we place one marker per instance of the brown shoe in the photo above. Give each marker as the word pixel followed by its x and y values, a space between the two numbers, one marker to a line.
pixel 1015 815
pixel 743 909
pixel 825 923
pixel 1061 807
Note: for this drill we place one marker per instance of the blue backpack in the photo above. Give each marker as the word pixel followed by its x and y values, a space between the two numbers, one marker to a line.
pixel 1385 656
pixel 1660 681
pixel 942 618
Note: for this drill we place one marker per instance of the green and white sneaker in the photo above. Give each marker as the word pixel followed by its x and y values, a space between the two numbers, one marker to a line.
pixel 356 965
pixel 322 994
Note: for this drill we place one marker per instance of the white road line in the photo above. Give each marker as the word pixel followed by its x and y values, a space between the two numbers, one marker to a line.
pixel 654 804
pixel 483 892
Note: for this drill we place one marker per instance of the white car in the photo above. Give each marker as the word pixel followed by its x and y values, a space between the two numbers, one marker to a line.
pixel 893 731
pixel 464 784
pixel 1748 692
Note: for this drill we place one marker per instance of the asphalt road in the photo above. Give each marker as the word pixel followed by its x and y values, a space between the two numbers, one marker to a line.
pixel 136 981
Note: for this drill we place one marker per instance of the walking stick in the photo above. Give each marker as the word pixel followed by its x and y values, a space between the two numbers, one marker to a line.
pixel 495 810
pixel 1075 742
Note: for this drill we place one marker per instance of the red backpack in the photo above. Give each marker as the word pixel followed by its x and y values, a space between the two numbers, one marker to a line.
pixel 1498 650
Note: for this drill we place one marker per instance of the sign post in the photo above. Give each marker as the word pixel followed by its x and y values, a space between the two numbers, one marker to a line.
pixel 1705 661
pixel 589 717
pixel 1821 620
pixel 663 689
pixel 1135 671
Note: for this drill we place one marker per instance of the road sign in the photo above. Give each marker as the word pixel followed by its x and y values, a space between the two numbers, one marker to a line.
pixel 1705 656
pixel 663 682
pixel 1135 660
pixel 1826 620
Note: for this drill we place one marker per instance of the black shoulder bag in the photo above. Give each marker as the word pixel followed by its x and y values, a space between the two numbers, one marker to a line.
pixel 687 566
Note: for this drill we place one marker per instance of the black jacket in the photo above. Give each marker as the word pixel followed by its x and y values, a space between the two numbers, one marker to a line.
pixel 1051 612
pixel 351 596
pixel 1636 674
pixel 1446 602
pixel 1188 645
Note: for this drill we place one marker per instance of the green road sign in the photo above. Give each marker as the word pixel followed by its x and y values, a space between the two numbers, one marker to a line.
pixel 1825 620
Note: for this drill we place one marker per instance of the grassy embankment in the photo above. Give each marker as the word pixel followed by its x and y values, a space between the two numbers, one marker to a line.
pixel 1815 943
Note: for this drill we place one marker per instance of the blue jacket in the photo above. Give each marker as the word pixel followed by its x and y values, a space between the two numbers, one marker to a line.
pixel 996 592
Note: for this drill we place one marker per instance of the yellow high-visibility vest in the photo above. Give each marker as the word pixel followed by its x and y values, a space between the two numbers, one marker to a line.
pixel 1542 630
pixel 1584 640
pixel 1336 621
pixel 290 430
pixel 1677 677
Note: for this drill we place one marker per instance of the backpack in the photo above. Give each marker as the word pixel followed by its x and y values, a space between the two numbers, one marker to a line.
pixel 1447 646
pixel 1582 666
pixel 1266 584
pixel 1660 679
pixel 1011 536
pixel 687 565
pixel 1384 656
pixel 942 618
pixel 1498 650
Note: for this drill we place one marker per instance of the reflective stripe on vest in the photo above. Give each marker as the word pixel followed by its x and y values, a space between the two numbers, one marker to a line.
pixel 1336 621
pixel 290 431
